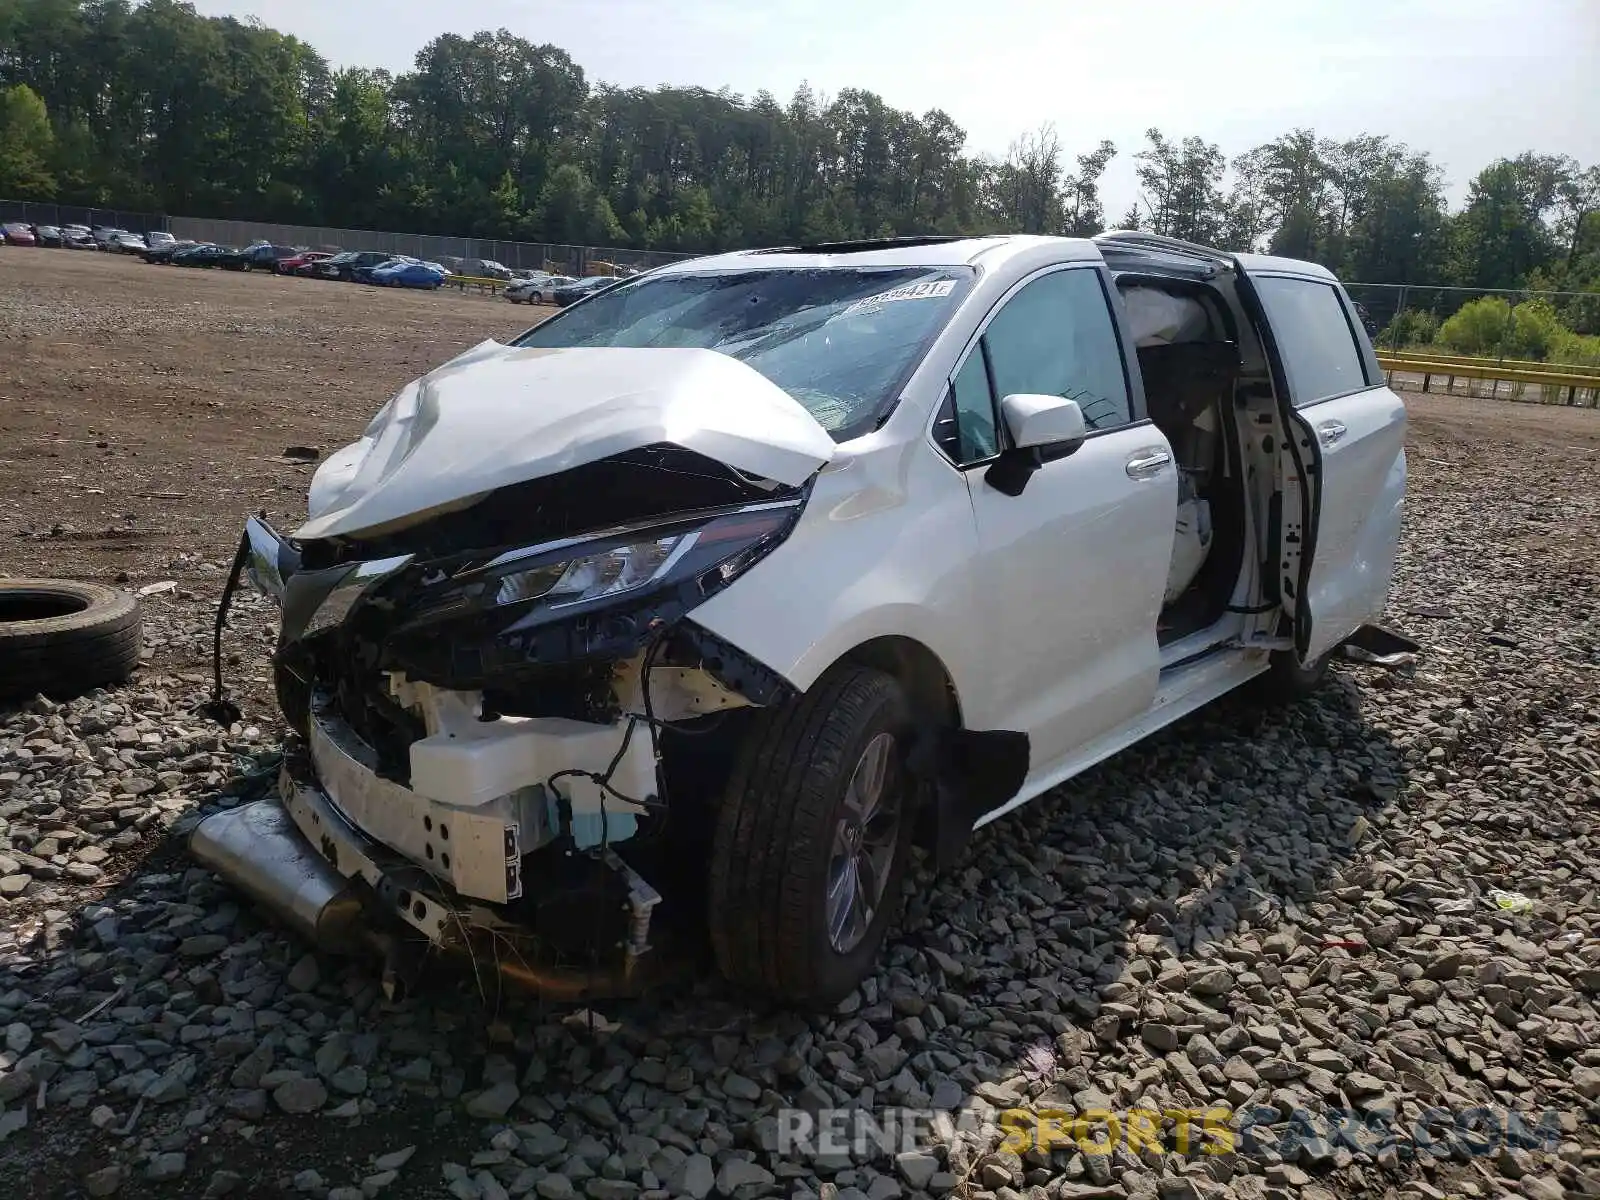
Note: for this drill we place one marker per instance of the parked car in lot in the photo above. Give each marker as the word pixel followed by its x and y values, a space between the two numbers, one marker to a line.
pixel 539 288
pixel 582 608
pixel 78 237
pixel 128 243
pixel 209 254
pixel 411 274
pixel 578 289
pixel 345 265
pixel 301 262
pixel 104 235
pixel 163 255
pixel 15 233
pixel 362 272
pixel 265 256
pixel 47 235
pixel 159 237
pixel 476 268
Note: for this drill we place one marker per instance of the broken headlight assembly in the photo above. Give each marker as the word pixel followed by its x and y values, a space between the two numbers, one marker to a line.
pixel 549 582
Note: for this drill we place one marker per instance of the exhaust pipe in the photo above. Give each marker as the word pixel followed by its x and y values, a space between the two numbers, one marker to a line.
pixel 258 850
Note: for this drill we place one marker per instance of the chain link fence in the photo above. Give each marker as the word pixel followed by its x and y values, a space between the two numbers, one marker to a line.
pixel 1503 324
pixel 32 212
pixel 536 256
pixel 1492 343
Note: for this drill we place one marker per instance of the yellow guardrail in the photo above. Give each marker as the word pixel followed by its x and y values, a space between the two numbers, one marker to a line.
pixel 1516 364
pixel 1430 369
pixel 465 281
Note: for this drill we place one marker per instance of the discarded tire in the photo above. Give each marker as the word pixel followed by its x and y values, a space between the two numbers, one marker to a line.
pixel 61 637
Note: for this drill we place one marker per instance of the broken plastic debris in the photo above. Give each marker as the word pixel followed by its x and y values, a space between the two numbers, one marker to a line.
pixel 588 1019
pixel 1514 902
pixel 151 589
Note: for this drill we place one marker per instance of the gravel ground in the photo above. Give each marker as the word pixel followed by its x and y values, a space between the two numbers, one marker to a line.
pixel 1289 914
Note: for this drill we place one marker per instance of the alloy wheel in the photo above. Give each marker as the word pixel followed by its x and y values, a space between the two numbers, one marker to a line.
pixel 864 842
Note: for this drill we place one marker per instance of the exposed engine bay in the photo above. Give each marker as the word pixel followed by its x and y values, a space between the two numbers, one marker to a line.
pixel 485 695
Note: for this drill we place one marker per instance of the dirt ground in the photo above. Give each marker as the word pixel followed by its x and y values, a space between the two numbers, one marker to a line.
pixel 144 410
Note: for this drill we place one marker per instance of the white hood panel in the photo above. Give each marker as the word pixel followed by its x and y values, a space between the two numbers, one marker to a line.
pixel 497 415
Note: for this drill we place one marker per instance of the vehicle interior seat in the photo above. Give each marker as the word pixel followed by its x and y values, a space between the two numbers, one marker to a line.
pixel 1190 367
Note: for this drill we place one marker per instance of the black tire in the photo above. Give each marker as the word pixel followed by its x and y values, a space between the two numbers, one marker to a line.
pixel 61 637
pixel 1287 682
pixel 771 852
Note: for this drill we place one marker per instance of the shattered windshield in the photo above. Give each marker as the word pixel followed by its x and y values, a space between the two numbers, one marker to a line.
pixel 840 340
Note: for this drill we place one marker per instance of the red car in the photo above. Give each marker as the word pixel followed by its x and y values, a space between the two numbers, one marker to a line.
pixel 18 234
pixel 291 266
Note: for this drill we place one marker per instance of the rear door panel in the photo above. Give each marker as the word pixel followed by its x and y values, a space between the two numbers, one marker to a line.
pixel 1360 441
pixel 1343 476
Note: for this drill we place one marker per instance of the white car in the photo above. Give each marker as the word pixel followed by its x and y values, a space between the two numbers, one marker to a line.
pixel 717 590
pixel 536 289
pixel 157 238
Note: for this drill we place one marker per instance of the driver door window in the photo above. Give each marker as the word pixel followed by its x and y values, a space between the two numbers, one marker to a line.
pixel 1055 337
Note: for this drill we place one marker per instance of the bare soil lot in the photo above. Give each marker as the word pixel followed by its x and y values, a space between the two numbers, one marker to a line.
pixel 1284 913
pixel 144 410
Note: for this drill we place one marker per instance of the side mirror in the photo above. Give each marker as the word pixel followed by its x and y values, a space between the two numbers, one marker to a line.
pixel 1039 421
pixel 1036 423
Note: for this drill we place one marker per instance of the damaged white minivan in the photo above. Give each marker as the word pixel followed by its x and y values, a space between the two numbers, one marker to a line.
pixel 697 606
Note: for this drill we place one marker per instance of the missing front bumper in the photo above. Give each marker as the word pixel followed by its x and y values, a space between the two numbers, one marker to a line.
pixel 303 860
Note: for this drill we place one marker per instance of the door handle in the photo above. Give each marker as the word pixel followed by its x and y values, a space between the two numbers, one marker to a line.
pixel 1148 463
pixel 1330 432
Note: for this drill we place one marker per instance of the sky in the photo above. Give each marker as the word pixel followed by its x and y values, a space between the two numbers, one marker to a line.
pixel 1468 80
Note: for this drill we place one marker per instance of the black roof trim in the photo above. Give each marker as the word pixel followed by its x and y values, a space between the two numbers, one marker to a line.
pixel 863 244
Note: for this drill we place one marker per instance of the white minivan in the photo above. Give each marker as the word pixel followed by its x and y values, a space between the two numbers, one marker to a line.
pixel 697 606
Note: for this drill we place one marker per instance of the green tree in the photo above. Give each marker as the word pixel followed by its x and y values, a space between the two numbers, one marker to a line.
pixel 26 145
pixel 1503 234
pixel 1182 187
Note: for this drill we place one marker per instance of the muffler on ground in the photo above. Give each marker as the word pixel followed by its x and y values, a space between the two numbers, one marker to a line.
pixel 258 850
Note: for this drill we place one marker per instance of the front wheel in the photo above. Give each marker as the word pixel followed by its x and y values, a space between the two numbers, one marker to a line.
pixel 812 840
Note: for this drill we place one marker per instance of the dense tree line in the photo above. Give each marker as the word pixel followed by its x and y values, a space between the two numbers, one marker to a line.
pixel 150 106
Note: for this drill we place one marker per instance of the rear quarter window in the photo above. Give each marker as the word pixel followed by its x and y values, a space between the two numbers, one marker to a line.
pixel 1320 353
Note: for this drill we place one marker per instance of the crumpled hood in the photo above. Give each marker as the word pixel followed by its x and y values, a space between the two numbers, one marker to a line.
pixel 498 415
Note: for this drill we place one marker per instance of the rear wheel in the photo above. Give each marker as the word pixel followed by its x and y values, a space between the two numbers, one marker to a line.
pixel 812 840
pixel 1288 682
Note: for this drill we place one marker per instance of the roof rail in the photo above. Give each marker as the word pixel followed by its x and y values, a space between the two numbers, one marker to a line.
pixel 1154 241
pixel 859 244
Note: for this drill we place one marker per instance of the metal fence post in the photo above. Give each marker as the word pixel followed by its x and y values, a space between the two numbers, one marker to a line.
pixel 1394 340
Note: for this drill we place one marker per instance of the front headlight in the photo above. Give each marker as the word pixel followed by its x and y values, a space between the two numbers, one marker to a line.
pixel 620 569
pixel 549 581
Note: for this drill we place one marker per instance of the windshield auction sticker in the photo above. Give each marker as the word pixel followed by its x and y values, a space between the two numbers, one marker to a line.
pixel 928 290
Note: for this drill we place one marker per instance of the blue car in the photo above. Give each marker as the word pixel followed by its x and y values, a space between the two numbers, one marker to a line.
pixel 407 274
